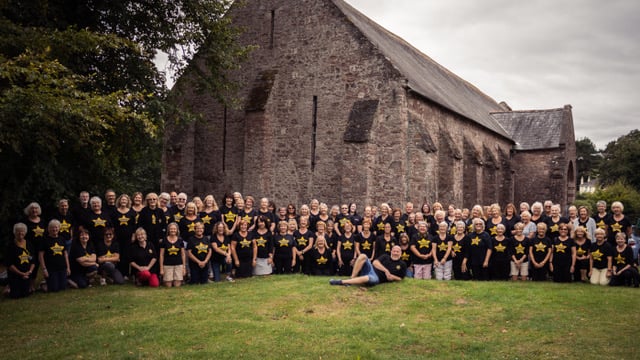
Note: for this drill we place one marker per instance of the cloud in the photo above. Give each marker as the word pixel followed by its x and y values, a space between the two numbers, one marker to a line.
pixel 535 54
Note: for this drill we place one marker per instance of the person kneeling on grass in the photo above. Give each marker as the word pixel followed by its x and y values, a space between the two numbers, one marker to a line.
pixel 383 269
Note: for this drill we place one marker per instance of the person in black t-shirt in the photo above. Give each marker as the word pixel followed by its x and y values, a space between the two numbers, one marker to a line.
pixel 54 258
pixel 385 268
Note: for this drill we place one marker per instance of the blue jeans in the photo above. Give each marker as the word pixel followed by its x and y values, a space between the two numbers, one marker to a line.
pixel 369 270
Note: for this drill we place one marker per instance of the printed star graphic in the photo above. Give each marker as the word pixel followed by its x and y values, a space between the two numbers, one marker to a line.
pixel 347 245
pixel 494 230
pixel 554 228
pixel 500 248
pixel 65 226
pixel 177 217
pixel 601 225
pixel 173 250
pixel 57 249
pixel 541 247
pixel 99 222
pixel 284 242
pixel 366 245
pixel 400 228
pixel 443 246
pixel 38 231
pixel 387 248
pixel 262 242
pixel 322 260
pixel 519 249
pixel 424 243
pixel 24 257
pixel 405 256
pixel 560 248
pixel 229 217
pixel 475 241
pixel 381 226
pixel 597 255
pixel 616 227
pixel 207 219
pixel 580 252
pixel 191 227
pixel 245 243
pixel 108 254
pixel 457 248
pixel 223 247
pixel 202 248
pixel 620 259
pixel 247 219
pixel 302 241
pixel 153 219
pixel 124 220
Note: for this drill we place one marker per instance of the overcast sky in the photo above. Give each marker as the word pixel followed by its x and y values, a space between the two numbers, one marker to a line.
pixel 535 54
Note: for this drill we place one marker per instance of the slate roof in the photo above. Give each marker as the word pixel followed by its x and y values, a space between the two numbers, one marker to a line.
pixel 534 129
pixel 425 76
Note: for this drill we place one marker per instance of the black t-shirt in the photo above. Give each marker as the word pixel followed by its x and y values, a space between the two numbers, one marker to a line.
pixel 124 225
pixel 209 219
pixel 599 254
pixel 172 252
pixel 500 250
pixel 142 256
pixel 395 267
pixel 347 247
pixel 199 247
pixel 383 246
pixel 617 227
pixel 96 224
pixel 67 223
pixel 553 226
pixel 264 243
pixel 77 251
pixel 302 238
pixel 283 244
pixel 53 251
pixel 562 250
pixel 228 215
pixel 102 249
pixel 153 222
pixel 442 245
pixel 479 243
pixel 244 245
pixel 622 258
pixel 21 258
pixel 540 248
pixel 366 244
pixel 422 243
pixel 320 262
pixel 519 249
pixel 222 244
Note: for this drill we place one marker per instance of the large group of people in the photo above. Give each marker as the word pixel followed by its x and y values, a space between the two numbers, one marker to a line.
pixel 170 239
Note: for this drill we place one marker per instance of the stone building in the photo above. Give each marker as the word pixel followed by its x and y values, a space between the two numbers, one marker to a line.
pixel 338 108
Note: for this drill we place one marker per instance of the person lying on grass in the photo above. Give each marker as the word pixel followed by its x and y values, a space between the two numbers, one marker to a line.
pixel 383 269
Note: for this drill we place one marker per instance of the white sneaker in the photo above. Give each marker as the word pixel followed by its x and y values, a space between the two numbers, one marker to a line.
pixel 103 281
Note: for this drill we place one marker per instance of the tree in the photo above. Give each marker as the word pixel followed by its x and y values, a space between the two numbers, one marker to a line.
pixel 622 160
pixel 82 103
pixel 588 159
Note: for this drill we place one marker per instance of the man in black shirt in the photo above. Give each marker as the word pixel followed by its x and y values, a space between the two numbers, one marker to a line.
pixel 386 268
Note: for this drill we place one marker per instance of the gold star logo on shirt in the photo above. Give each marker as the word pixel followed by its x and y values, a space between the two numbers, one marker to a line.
pixel 475 240
pixel 500 248
pixel 601 224
pixel 620 259
pixel 616 227
pixel 423 243
pixel 38 231
pixel 229 217
pixel 173 250
pixel 124 220
pixel 24 257
pixel 400 228
pixel 191 227
pixel 381 226
pixel 223 247
pixel 108 254
pixel 65 227
pixel 443 246
pixel 405 256
pixel 153 219
pixel 207 219
pixel 453 230
pixel 554 228
pixel 560 248
pixel 302 241
pixel 177 217
pixel 387 248
pixel 580 252
pixel 245 243
pixel 57 249
pixel 283 242
pixel 541 247
pixel 366 245
pixel 494 230
pixel 321 260
pixel 247 219
pixel 99 222
pixel 347 245
pixel 202 248
pixel 519 249
pixel 261 241
pixel 457 248
pixel 597 255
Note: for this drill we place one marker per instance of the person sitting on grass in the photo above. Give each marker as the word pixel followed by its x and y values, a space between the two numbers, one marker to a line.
pixel 385 268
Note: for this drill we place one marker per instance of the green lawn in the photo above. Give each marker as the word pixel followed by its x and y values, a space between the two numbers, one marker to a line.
pixel 300 317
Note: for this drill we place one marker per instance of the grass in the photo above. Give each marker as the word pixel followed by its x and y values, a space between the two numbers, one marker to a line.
pixel 300 317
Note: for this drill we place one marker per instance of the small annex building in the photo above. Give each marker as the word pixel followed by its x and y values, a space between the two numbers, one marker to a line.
pixel 335 107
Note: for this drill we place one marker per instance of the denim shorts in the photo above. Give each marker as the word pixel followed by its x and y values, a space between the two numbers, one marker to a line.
pixel 369 270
